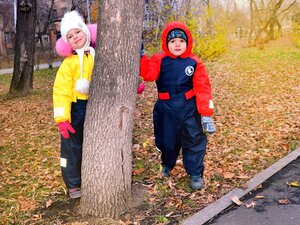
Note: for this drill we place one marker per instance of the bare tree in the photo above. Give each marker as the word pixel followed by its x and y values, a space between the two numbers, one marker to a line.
pixel 274 20
pixel 265 15
pixel 44 20
pixel 107 160
pixel 6 26
pixel 251 30
pixel 79 5
pixel 22 80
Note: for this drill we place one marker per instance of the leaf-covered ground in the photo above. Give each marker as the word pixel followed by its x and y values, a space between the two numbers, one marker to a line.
pixel 257 98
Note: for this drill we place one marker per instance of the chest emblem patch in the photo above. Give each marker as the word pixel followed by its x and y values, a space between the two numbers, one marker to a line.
pixel 189 71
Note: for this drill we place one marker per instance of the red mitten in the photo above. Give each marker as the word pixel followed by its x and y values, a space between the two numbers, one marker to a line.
pixel 65 128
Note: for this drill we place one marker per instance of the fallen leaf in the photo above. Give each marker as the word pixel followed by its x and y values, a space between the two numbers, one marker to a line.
pixel 152 199
pixel 226 186
pixel 169 214
pixel 243 177
pixel 49 203
pixel 259 196
pixel 251 205
pixel 210 198
pixel 257 187
pixel 236 200
pixel 171 184
pixel 145 143
pixel 139 171
pixel 284 201
pixel 293 184
pixel 27 204
pixel 228 175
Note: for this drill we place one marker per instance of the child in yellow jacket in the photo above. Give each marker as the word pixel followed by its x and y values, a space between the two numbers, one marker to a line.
pixel 70 95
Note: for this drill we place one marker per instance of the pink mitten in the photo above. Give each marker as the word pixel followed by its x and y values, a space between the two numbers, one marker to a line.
pixel 141 86
pixel 65 128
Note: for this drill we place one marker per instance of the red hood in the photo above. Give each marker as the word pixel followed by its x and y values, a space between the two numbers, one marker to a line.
pixel 171 26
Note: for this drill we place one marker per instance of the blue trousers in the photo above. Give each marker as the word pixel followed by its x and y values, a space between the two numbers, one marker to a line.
pixel 177 124
pixel 71 148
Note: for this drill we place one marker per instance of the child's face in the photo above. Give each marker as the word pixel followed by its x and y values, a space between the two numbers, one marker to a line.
pixel 76 38
pixel 177 46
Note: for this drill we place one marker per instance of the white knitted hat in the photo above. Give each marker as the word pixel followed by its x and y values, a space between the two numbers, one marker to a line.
pixel 73 20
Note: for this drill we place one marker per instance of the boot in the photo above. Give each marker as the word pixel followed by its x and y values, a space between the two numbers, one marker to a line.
pixel 196 182
pixel 165 172
pixel 75 192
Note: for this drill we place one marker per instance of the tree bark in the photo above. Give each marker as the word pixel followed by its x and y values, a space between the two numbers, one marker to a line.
pixel 107 159
pixel 22 80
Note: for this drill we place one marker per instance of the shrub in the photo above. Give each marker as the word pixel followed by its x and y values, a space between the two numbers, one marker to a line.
pixel 209 34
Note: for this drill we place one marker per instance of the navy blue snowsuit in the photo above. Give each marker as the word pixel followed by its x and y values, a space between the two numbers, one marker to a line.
pixel 184 94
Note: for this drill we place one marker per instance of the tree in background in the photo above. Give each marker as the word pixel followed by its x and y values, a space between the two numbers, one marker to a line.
pixel 210 28
pixel 22 80
pixel 47 17
pixel 6 28
pixel 266 17
pixel 238 20
pixel 216 23
pixel 107 159
pixel 207 22
pixel 156 14
pixel 94 11
pixel 45 22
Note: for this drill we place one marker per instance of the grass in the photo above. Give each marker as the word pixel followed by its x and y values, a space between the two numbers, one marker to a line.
pixel 256 96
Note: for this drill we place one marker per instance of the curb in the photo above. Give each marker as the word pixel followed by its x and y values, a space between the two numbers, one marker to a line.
pixel 41 66
pixel 224 202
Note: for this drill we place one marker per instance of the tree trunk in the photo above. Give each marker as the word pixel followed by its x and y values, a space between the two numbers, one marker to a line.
pixel 251 29
pixel 271 32
pixel 107 159
pixel 22 80
pixel 40 53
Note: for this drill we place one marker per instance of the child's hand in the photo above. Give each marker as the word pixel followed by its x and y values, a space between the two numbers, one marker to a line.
pixel 141 86
pixel 65 128
pixel 208 125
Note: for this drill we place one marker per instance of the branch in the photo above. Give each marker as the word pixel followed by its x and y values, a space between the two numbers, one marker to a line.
pixel 48 18
pixel 288 7
pixel 257 10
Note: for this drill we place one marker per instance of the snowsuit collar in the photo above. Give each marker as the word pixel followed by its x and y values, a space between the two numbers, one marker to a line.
pixel 179 25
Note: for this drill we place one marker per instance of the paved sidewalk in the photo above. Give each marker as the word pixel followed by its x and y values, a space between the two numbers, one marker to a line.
pixel 280 204
pixel 41 66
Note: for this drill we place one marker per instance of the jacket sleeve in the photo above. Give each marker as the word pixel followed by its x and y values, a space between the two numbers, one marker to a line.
pixel 62 93
pixel 150 67
pixel 202 89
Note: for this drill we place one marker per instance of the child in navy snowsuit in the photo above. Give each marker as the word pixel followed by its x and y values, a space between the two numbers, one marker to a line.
pixel 182 113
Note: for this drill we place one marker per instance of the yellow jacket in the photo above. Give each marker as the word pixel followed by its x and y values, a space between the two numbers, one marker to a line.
pixel 64 85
